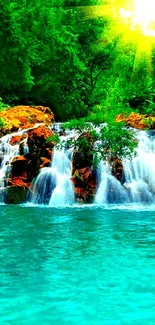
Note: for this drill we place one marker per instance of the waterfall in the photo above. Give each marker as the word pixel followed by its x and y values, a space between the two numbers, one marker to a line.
pixel 140 171
pixel 53 186
pixel 110 190
pixel 7 153
pixel 139 175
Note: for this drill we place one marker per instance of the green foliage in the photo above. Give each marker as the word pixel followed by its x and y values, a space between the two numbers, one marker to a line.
pixel 149 123
pixel 85 149
pixel 54 138
pixel 74 124
pixel 2 123
pixel 61 55
pixel 117 140
pixel 16 195
pixel 112 139
pixel 3 106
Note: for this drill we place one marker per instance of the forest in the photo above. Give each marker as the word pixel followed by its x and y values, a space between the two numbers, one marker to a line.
pixel 72 57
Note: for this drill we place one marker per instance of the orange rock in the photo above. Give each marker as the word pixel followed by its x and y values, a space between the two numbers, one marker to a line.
pixel 25 116
pixel 17 139
pixel 26 166
pixel 92 184
pixel 73 180
pixel 138 121
pixel 19 158
pixel 117 168
pixel 23 120
pixel 120 118
pixel 40 132
pixel 19 182
pixel 48 153
pixel 82 193
pixel 83 174
pixel 45 162
pixel 85 184
pixel 19 169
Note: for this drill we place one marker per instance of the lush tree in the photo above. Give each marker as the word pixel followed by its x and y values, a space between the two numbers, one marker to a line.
pixel 58 53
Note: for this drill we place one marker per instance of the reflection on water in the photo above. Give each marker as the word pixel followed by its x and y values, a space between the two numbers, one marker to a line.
pixel 77 265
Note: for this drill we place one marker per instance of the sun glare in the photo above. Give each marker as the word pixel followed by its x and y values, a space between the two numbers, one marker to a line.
pixel 136 15
pixel 133 19
pixel 144 12
pixel 141 16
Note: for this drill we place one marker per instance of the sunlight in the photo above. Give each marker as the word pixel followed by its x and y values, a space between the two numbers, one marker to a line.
pixel 131 15
pixel 144 12
pixel 141 16
pixel 134 20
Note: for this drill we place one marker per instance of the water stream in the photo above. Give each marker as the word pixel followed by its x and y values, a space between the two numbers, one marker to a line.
pixel 139 175
pixel 7 153
pixel 53 185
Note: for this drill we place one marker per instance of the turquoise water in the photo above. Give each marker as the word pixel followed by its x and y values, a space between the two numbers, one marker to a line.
pixel 71 266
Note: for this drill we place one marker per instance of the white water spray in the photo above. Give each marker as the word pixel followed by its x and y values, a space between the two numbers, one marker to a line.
pixel 139 175
pixel 7 153
pixel 53 185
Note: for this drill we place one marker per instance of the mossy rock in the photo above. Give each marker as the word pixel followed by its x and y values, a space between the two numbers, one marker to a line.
pixel 16 194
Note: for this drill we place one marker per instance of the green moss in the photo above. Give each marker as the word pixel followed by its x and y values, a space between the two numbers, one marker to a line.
pixel 16 195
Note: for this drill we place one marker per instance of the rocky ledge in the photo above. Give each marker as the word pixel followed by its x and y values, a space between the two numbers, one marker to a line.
pixel 24 117
pixel 30 127
pixel 137 121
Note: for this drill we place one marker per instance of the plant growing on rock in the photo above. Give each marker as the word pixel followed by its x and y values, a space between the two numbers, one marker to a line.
pixel 117 140
pixel 3 106
pixel 112 139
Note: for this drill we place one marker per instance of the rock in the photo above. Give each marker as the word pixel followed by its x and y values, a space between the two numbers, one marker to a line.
pixel 84 175
pixel 85 184
pixel 41 132
pixel 48 153
pixel 19 175
pixel 18 158
pixel 15 194
pixel 82 194
pixel 117 168
pixel 25 117
pixel 25 167
pixel 33 165
pixel 37 140
pixel 17 139
pixel 137 121
pixel 45 162
pixel 40 150
pixel 18 166
pixel 18 181
pixel 35 151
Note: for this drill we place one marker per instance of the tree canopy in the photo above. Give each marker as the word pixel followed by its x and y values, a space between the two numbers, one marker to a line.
pixel 56 54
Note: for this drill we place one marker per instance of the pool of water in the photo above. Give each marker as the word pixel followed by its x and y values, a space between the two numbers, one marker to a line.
pixel 71 266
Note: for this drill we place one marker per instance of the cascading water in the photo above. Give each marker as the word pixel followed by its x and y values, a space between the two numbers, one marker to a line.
pixel 110 190
pixel 7 153
pixel 139 176
pixel 140 172
pixel 53 185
